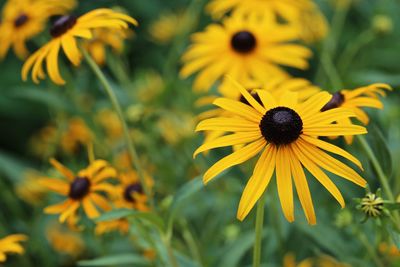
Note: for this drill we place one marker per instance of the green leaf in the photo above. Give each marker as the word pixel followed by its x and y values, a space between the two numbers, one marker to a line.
pixel 379 145
pixel 116 260
pixel 48 98
pixel 186 191
pixel 124 213
pixel 11 167
pixel 234 252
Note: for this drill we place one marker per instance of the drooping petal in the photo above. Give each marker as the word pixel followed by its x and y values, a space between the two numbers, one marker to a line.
pixel 284 182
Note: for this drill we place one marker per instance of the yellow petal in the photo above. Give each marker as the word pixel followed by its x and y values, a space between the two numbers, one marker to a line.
pixel 284 182
pixel 239 109
pixel 62 169
pixel 90 209
pixel 333 130
pixel 228 125
pixel 52 64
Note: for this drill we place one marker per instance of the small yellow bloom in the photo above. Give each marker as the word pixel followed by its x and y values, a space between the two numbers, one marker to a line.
pixel 121 225
pixel 81 189
pixel 111 124
pixel 285 131
pixel 10 245
pixel 65 31
pixel 246 48
pixel 354 100
pixel 21 20
pixel 77 134
pixel 65 241
pixel 168 26
pixel 102 38
pixel 290 261
pixel 176 126
pixel 29 189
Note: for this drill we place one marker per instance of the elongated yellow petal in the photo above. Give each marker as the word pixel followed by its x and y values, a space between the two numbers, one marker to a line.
pixel 89 208
pixel 318 173
pixel 58 208
pixel 62 169
pixel 52 64
pixel 331 164
pixel 229 140
pixel 235 158
pixel 284 182
pixel 332 148
pixel 69 211
pixel 100 201
pixel 257 184
pixel 302 188
pixel 55 185
pixel 239 109
pixel 313 104
pixel 267 99
pixel 333 129
pixel 329 116
pixel 228 124
pixel 71 49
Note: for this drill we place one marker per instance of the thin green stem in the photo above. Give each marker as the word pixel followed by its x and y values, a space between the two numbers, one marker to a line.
pixel 114 100
pixel 259 229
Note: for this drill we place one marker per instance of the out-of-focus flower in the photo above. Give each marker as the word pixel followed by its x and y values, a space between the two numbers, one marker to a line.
pixel 64 240
pixel 382 24
pixel 10 245
pixel 29 189
pixel 244 47
pixel 148 85
pixel 354 100
pixel 127 194
pixel 327 261
pixel 21 20
pixel 76 134
pixel 150 254
pixel 65 31
pixel 111 124
pixel 285 131
pixel 44 141
pixel 389 250
pixel 168 26
pixel 81 189
pixel 290 261
pixel 176 126
pixel 102 38
pixel 312 25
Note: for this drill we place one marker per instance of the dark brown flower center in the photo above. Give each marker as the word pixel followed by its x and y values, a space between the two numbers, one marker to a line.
pixel 62 25
pixel 79 188
pixel 131 189
pixel 21 20
pixel 243 42
pixel 335 102
pixel 281 126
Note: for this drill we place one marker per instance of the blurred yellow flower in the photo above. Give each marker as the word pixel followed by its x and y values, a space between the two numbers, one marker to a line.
pixel 176 126
pixel 21 20
pixel 64 31
pixel 29 189
pixel 285 131
pixel 244 47
pixel 121 225
pixel 148 85
pixel 367 96
pixel 111 124
pixel 75 135
pixel 102 38
pixel 290 261
pixel 168 26
pixel 81 189
pixel 10 245
pixel 64 241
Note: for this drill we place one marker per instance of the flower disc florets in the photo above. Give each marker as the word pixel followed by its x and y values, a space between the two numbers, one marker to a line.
pixel 79 188
pixel 243 42
pixel 62 25
pixel 335 102
pixel 131 189
pixel 281 126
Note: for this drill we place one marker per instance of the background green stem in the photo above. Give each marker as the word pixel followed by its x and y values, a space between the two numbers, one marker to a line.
pixel 259 228
pixel 117 107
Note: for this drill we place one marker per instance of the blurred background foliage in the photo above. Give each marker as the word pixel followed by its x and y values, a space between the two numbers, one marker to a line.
pixel 38 121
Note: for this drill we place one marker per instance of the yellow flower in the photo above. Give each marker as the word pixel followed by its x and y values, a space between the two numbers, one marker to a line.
pixel 81 189
pixel 64 241
pixel 167 26
pixel 327 261
pixel 290 261
pixel 10 244
pixel 23 19
pixel 111 124
pixel 121 225
pixel 44 141
pixel 149 85
pixel 244 47
pixel 289 10
pixel 312 25
pixel 29 189
pixel 103 38
pixel 286 132
pixel 129 193
pixel 76 134
pixel 354 100
pixel 64 31
pixel 176 126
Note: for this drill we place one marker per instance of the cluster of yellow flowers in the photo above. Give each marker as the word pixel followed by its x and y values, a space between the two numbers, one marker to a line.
pixel 263 109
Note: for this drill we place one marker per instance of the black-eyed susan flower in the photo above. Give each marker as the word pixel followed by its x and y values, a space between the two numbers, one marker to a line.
pixel 103 38
pixel 82 189
pixel 21 20
pixel 11 245
pixel 367 96
pixel 244 47
pixel 65 31
pixel 285 132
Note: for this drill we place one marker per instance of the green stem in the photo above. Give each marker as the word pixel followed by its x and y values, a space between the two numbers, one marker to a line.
pixel 259 228
pixel 170 251
pixel 113 98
